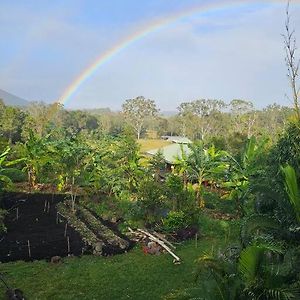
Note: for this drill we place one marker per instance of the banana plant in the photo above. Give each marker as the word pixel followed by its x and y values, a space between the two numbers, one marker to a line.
pixel 240 171
pixel 4 165
pixel 5 181
pixel 205 164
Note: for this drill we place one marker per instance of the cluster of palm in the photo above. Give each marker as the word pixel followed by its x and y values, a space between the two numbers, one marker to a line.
pixel 220 169
pixel 267 264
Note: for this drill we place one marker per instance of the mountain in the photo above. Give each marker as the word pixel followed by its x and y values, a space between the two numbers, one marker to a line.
pixel 12 100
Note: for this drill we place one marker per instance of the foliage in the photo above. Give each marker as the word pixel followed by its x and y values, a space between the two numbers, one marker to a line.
pixel 180 197
pixel 248 277
pixel 202 165
pixel 209 226
pixel 136 112
pixel 176 220
pixel 292 189
pixel 150 203
pixel 5 168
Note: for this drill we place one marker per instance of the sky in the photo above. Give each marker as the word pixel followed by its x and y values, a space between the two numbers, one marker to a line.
pixel 227 52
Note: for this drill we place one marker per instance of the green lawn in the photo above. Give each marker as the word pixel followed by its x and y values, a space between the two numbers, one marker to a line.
pixel 128 276
pixel 150 144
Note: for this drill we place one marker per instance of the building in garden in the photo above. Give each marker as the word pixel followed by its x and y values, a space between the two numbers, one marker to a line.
pixel 177 139
pixel 173 152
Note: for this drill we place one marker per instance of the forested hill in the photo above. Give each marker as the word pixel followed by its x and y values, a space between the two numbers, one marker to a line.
pixel 12 100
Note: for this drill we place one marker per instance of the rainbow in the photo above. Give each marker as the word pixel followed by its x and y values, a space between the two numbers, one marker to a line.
pixel 142 33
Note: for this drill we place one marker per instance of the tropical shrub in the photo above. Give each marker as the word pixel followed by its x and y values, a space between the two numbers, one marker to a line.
pixel 150 204
pixel 176 220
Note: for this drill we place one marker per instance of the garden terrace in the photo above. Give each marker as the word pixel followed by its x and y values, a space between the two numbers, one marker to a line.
pixel 40 226
pixel 102 239
pixel 33 231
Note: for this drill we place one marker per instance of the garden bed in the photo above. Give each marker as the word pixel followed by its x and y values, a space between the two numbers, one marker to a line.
pixel 35 230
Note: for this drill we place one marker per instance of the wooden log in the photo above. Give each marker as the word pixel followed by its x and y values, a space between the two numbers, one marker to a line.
pixel 158 235
pixel 161 243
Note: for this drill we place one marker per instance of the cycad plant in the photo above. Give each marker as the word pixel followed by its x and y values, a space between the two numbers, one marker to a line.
pixel 292 189
pixel 252 276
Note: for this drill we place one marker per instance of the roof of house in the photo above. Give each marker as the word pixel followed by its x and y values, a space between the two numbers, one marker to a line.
pixel 177 139
pixel 171 152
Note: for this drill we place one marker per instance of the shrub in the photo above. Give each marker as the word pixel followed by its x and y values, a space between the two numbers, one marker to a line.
pixel 212 227
pixel 15 175
pixel 176 220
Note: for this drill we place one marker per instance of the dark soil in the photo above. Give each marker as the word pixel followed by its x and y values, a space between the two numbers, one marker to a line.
pixel 35 234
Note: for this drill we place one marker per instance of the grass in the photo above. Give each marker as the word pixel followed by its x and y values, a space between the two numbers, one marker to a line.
pixel 128 276
pixel 147 144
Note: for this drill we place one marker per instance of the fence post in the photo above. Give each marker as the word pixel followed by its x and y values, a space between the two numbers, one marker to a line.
pixel 17 213
pixel 68 241
pixel 29 250
pixel 66 227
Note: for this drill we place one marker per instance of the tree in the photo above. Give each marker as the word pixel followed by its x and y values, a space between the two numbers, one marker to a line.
pixel 201 115
pixel 11 122
pixel 243 116
pixel 291 61
pixel 137 111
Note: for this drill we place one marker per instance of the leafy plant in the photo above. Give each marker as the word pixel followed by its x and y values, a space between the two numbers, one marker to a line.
pixel 292 189
pixel 176 220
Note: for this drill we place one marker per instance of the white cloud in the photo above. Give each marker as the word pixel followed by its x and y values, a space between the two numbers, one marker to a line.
pixel 236 56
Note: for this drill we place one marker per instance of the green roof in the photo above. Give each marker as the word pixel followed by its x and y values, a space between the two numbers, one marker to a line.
pixel 171 152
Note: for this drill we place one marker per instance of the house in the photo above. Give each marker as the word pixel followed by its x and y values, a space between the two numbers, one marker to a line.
pixel 177 139
pixel 174 151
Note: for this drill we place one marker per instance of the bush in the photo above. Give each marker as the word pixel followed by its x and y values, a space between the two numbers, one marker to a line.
pixel 212 227
pixel 176 220
pixel 151 202
pixel 15 175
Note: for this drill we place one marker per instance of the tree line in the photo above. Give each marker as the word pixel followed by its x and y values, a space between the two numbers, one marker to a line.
pixel 205 119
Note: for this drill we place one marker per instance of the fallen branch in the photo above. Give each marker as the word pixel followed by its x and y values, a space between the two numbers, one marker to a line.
pixel 158 240
pixel 160 236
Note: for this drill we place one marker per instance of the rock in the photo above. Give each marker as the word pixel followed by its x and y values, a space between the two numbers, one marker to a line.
pixel 55 259
pixel 98 248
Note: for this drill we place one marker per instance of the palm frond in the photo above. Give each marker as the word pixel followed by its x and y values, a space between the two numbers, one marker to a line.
pixel 292 188
pixel 281 293
pixel 249 263
pixel 257 224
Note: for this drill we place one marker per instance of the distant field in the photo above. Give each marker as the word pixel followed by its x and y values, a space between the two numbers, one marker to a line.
pixel 152 144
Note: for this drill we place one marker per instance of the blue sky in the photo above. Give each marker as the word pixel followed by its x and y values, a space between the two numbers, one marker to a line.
pixel 233 52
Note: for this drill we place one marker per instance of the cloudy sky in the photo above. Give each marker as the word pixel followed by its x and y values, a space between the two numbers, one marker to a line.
pixel 226 50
